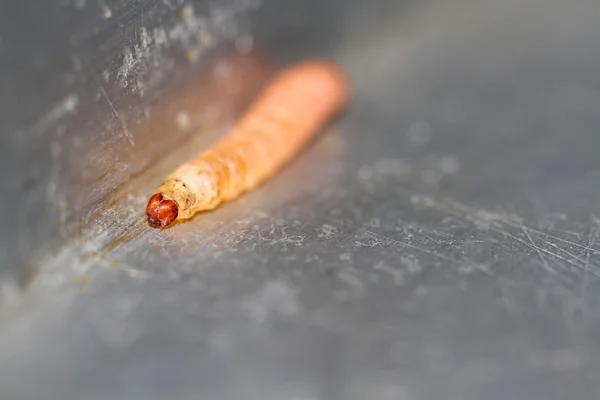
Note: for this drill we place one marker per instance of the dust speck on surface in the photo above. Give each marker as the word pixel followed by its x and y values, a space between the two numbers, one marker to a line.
pixel 187 13
pixel 430 177
pixel 183 120
pixel 244 43
pixel 10 295
pixel 419 133
pixel 412 264
pixel 559 360
pixel 221 342
pixel 385 167
pixel 106 12
pixel 365 172
pixel 397 274
pixel 396 167
pixel 106 75
pixel 425 201
pixel 193 54
pixel 354 286
pixel 327 231
pixel 222 70
pixel 205 41
pixel 83 281
pixel 70 103
pixel 77 141
pixel 275 298
pixel 137 274
pixel 470 268
pixel 345 257
pixel 449 164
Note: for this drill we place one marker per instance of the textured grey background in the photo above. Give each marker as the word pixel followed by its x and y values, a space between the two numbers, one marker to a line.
pixel 440 241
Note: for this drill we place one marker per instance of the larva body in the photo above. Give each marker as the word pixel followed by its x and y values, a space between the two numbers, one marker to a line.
pixel 285 117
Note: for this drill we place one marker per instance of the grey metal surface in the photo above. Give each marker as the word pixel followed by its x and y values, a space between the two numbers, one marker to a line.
pixel 440 241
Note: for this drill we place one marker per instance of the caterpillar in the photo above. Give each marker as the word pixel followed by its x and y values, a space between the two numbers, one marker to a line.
pixel 289 112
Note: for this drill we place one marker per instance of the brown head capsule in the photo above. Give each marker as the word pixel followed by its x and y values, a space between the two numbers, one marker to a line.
pixel 161 212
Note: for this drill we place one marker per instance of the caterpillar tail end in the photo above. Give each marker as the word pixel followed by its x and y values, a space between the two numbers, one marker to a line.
pixel 161 212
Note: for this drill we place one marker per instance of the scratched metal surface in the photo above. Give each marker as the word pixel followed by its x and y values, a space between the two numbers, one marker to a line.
pixel 440 241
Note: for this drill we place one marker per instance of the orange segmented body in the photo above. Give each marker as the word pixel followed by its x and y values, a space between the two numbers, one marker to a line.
pixel 286 116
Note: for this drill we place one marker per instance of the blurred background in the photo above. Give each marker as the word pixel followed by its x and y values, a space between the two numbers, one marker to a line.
pixel 441 240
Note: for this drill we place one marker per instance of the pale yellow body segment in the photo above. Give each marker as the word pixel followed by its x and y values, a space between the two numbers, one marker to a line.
pixel 286 116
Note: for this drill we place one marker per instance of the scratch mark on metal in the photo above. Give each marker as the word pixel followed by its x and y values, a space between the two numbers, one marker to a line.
pixel 554 238
pixel 403 244
pixel 586 279
pixel 544 261
pixel 126 131
pixel 548 252
pixel 495 222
